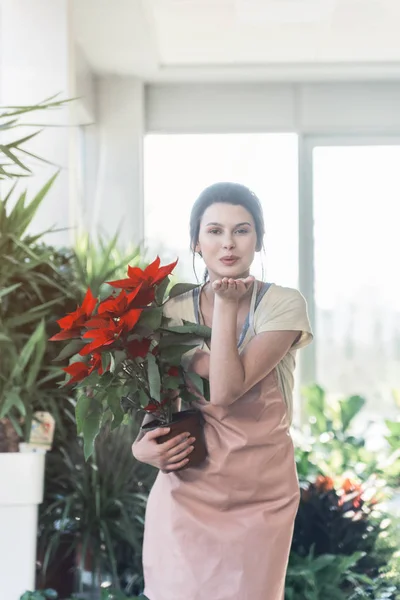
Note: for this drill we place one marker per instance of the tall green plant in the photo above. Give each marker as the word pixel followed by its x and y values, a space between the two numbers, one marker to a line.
pixel 13 154
pixel 31 289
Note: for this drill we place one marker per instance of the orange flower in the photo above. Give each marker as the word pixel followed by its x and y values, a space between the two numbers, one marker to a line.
pixel 324 484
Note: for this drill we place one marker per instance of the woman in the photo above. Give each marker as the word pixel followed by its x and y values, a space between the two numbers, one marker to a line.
pixel 222 531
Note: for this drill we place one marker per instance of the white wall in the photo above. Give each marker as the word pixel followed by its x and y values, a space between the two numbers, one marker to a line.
pixel 113 189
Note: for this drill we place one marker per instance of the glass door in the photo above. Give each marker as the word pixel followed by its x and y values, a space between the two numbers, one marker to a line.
pixel 352 207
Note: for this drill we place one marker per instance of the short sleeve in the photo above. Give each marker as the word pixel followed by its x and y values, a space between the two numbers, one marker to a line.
pixel 179 308
pixel 284 309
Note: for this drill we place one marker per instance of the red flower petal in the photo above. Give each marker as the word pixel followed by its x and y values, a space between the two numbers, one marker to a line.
pixel 66 334
pixel 138 348
pixel 151 270
pixel 89 302
pixel 97 322
pixel 145 297
pixel 164 272
pixel 77 370
pixel 130 319
pixel 173 372
pixel 151 407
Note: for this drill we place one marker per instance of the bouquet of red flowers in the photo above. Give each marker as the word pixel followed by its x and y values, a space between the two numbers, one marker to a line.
pixel 125 355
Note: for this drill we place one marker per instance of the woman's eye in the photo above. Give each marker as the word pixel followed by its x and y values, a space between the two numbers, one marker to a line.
pixel 214 231
pixel 242 230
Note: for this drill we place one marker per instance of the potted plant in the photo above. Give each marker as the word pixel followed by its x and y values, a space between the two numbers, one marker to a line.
pixel 126 358
pixel 30 290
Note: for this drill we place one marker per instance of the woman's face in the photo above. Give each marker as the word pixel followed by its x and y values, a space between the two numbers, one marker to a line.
pixel 227 240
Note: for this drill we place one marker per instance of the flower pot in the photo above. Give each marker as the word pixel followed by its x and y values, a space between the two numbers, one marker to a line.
pixel 186 420
pixel 21 491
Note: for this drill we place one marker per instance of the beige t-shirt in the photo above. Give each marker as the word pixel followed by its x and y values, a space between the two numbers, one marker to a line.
pixel 279 309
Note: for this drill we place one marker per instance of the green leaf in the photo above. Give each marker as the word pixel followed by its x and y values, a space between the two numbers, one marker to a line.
pixel 196 380
pixel 91 427
pixel 181 288
pixel 27 351
pixel 105 361
pixel 5 150
pixel 113 401
pixel 172 339
pixel 171 383
pixel 188 397
pixel 154 377
pixel 173 354
pixel 5 338
pixel 143 398
pixel 315 406
pixel 69 350
pixel 12 400
pixel 9 289
pixel 37 361
pixel 151 318
pixel 349 408
pixel 81 410
pixel 192 328
pixel 161 289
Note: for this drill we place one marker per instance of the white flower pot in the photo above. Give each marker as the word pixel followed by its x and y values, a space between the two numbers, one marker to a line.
pixel 21 491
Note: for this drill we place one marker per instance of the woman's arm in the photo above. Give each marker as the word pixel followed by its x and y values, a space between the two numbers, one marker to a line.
pixel 231 374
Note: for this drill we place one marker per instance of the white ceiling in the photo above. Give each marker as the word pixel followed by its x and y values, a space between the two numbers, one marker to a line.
pixel 239 39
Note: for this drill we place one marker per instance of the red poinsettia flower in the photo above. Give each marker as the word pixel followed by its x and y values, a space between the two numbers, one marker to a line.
pixel 152 407
pixel 96 364
pixel 125 322
pixel 155 406
pixel 152 275
pixel 173 372
pixel 117 306
pixel 129 320
pixel 102 338
pixel 138 348
pixel 78 371
pixel 72 323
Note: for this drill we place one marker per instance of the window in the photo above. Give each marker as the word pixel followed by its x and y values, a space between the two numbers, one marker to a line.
pixel 356 192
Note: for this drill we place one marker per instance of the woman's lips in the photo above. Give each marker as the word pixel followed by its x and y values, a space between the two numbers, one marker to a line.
pixel 229 261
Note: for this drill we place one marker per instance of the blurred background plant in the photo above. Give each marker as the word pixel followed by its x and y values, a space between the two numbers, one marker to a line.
pixel 345 541
pixel 14 157
pixel 94 511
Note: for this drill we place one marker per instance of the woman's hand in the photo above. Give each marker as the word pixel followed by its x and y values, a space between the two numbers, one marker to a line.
pixel 232 289
pixel 168 456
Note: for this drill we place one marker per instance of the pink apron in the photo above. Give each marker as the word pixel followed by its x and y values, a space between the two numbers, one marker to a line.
pixel 222 531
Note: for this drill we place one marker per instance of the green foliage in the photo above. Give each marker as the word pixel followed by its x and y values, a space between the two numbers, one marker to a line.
pixel 326 444
pixel 392 464
pixel 13 153
pixel 34 293
pixel 101 260
pixel 97 507
pixel 324 577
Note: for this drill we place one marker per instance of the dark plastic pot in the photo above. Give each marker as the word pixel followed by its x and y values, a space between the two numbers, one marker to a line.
pixel 186 420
